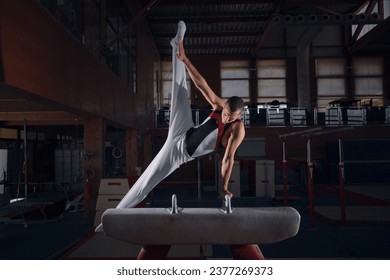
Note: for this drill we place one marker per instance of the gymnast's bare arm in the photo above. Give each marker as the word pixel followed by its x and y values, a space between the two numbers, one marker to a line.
pixel 235 139
pixel 215 101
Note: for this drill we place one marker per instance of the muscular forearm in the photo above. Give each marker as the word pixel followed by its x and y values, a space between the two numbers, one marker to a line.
pixel 226 172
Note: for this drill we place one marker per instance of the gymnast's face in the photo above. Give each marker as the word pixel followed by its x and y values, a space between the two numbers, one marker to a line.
pixel 228 116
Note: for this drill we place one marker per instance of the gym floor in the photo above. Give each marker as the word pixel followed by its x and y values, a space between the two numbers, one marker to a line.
pixel 364 239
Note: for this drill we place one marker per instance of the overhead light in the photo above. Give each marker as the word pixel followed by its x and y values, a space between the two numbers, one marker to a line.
pixel 374 16
pixel 313 18
pixel 288 19
pixel 337 18
pixel 350 17
pixel 325 18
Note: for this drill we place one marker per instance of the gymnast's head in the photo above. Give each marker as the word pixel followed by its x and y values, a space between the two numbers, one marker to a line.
pixel 233 109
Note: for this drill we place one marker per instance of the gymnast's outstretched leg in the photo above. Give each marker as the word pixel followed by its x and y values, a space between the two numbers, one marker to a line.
pixel 173 153
pixel 181 116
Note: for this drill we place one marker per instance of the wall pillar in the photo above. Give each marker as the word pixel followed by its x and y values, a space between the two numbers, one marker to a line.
pixel 253 86
pixel 148 151
pixel 386 80
pixel 94 147
pixel 303 66
pixel 131 143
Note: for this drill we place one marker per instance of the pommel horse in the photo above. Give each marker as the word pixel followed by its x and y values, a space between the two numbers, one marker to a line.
pixel 159 228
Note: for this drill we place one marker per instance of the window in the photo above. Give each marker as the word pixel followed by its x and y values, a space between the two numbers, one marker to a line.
pixel 330 74
pixel 235 79
pixel 368 79
pixel 166 79
pixel 271 80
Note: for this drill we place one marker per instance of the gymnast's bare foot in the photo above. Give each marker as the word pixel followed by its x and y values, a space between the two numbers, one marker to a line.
pixel 99 228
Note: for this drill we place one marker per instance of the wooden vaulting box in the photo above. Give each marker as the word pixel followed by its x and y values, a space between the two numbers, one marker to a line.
pixel 111 191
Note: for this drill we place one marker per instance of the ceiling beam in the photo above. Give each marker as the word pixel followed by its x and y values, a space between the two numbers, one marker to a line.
pixel 209 19
pixel 266 29
pixel 369 10
pixel 238 33
pixel 323 2
pixel 380 30
pixel 212 2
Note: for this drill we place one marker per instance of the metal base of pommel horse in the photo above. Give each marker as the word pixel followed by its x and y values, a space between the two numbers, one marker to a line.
pixel 159 228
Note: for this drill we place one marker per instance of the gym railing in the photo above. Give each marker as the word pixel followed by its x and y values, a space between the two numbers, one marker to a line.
pixel 270 116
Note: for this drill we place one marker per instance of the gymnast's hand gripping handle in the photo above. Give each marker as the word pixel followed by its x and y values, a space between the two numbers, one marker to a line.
pixel 227 205
pixel 174 209
pixel 174 205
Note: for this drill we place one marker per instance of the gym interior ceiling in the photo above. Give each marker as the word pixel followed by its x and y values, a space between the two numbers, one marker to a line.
pixel 239 27
pixel 224 28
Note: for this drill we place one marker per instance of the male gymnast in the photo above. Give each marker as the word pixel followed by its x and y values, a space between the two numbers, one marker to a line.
pixel 222 129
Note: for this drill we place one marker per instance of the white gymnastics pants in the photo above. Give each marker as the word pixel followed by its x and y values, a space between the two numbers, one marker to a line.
pixel 173 153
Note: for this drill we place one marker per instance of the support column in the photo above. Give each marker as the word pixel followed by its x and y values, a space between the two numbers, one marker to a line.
pixel 103 28
pixel 253 86
pixel 148 150
pixel 94 146
pixel 350 84
pixel 386 78
pixel 303 69
pixel 131 144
